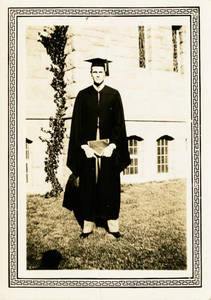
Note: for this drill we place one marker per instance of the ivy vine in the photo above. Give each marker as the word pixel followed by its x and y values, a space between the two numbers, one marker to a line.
pixel 54 40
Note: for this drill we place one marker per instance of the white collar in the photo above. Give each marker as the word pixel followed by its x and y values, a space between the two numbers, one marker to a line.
pixel 100 87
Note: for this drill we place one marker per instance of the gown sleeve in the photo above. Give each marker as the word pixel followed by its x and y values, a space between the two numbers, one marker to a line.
pixel 119 136
pixel 74 150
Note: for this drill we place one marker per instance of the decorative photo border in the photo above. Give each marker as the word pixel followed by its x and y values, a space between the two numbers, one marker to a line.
pixel 194 14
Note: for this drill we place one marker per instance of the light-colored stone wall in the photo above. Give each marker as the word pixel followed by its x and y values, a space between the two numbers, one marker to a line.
pixel 133 82
pixel 39 93
pixel 154 93
pixel 162 50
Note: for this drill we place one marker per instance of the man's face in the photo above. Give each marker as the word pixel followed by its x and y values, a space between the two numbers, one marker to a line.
pixel 98 74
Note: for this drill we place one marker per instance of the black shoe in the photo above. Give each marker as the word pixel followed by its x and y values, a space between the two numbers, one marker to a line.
pixel 117 234
pixel 84 235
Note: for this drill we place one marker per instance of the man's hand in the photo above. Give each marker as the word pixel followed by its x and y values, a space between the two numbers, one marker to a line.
pixel 109 150
pixel 88 151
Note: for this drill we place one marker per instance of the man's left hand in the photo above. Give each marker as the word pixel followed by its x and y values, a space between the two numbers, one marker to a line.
pixel 109 150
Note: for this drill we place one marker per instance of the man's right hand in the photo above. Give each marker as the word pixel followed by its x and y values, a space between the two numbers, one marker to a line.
pixel 88 151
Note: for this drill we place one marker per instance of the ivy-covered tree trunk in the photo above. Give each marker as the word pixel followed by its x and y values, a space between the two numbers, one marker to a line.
pixel 54 40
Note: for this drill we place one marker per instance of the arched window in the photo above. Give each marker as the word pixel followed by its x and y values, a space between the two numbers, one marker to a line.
pixel 134 150
pixel 28 142
pixel 163 153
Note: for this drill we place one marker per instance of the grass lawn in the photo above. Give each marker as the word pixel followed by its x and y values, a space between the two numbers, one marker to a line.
pixel 152 221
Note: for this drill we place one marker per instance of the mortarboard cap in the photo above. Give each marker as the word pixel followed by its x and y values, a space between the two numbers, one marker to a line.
pixel 100 62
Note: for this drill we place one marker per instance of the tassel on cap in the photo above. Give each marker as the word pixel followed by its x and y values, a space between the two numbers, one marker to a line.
pixel 100 62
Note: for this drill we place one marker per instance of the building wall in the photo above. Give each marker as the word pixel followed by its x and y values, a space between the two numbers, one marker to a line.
pixel 149 132
pixel 39 93
pixel 37 148
pixel 155 98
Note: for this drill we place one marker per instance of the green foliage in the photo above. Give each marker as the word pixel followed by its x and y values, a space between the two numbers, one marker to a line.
pixel 54 40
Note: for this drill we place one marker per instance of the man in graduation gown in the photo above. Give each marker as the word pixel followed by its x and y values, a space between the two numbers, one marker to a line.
pixel 98 114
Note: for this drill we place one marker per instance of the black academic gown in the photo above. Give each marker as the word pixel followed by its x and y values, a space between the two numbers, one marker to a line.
pixel 101 200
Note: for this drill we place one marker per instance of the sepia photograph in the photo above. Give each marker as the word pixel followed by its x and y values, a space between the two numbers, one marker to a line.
pixel 107 148
pixel 147 147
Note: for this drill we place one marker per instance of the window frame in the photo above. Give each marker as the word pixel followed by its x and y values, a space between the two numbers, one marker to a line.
pixel 134 150
pixel 142 46
pixel 163 154
pixel 177 51
pixel 27 161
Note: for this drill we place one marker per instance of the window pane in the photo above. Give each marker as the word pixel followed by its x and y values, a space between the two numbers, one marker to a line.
pixel 135 150
pixel 141 47
pixel 136 161
pixel 27 151
pixel 159 150
pixel 131 150
pixel 175 48
pixel 27 173
pixel 162 156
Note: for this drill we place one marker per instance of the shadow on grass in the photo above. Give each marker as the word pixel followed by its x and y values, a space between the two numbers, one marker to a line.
pixel 50 260
pixel 152 220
